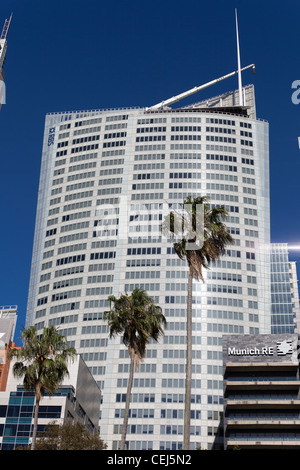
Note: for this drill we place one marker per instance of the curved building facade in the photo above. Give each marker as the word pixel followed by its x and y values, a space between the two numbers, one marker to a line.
pixel 108 177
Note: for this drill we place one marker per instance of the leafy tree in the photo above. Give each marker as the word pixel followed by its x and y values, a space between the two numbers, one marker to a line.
pixel 138 319
pixel 202 238
pixel 69 436
pixel 42 363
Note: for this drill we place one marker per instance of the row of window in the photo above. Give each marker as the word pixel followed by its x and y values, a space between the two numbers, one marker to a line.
pixel 117 135
pixel 156 120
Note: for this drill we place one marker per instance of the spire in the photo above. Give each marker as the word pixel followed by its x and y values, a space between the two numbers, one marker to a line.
pixel 241 101
pixel 190 92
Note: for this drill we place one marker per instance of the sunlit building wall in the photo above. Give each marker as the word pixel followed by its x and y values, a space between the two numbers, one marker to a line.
pixel 107 179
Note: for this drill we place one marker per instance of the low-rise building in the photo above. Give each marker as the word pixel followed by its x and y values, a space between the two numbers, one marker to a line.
pixel 261 391
pixel 78 399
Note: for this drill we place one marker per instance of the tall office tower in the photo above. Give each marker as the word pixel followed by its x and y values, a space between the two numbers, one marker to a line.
pixel 295 294
pixel 3 48
pixel 285 294
pixel 108 177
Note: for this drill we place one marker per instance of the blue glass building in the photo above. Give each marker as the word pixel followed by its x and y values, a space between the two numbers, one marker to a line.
pixel 284 289
pixel 16 417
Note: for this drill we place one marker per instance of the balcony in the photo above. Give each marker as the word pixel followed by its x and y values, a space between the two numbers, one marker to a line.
pixel 262 423
pixel 261 367
pixel 263 385
pixel 265 403
pixel 263 444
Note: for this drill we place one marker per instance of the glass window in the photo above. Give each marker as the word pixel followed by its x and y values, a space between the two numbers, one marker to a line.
pixel 13 411
pixel 10 430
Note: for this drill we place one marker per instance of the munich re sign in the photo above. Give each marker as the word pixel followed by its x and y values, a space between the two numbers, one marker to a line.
pixel 260 347
pixel 283 348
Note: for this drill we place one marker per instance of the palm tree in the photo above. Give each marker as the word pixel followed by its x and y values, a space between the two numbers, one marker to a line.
pixel 139 320
pixel 42 362
pixel 198 253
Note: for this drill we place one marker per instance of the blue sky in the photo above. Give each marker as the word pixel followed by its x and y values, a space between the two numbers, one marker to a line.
pixel 73 55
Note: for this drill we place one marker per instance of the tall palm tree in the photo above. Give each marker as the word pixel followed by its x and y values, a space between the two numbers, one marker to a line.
pixel 139 320
pixel 43 364
pixel 198 253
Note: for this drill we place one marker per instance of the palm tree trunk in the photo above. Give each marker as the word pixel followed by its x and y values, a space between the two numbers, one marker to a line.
pixel 126 414
pixel 35 423
pixel 188 380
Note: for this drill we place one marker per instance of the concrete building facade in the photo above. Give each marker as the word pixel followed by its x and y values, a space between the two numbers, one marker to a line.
pixel 107 179
pixel 261 392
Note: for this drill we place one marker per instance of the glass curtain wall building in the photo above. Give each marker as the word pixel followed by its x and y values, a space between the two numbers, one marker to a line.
pixel 108 177
pixel 284 288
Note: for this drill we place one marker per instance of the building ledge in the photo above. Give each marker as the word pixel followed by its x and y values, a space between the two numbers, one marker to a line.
pixel 265 444
pixel 263 385
pixel 253 404
pixel 263 423
pixel 249 366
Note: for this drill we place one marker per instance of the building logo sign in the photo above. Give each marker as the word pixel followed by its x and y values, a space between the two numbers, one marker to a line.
pixel 283 348
pixel 51 136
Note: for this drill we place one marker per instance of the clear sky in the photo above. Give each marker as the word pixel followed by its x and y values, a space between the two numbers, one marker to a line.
pixel 74 55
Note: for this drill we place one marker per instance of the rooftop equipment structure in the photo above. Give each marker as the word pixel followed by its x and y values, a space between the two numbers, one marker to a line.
pixel 3 44
pixel 190 92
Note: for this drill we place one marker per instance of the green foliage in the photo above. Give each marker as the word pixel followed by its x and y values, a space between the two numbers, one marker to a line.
pixel 69 436
pixel 185 227
pixel 200 237
pixel 43 364
pixel 137 318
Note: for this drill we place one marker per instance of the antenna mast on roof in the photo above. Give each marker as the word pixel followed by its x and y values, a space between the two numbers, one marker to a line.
pixel 190 92
pixel 241 101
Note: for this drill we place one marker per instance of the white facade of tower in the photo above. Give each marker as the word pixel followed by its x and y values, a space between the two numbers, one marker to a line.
pixel 3 47
pixel 108 177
